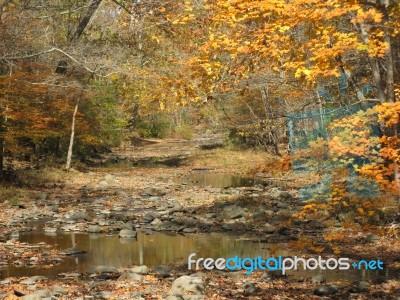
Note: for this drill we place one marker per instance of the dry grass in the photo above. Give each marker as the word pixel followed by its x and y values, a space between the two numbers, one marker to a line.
pixel 12 195
pixel 229 160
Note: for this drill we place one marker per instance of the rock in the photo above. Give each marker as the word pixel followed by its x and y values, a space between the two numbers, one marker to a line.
pixel 162 271
pixel 103 183
pixel 106 295
pixel 285 195
pixel 73 251
pixel 186 284
pixel 139 270
pixel 131 276
pixel 233 226
pixel 59 291
pixel 79 216
pixel 32 280
pixel 249 288
pixel 260 215
pixel 42 293
pixel 150 216
pixel 156 222
pixel 281 205
pixel 174 297
pixel 325 290
pixel 189 230
pixel 105 269
pixel 109 177
pixel 371 238
pixel 233 212
pixel 50 230
pixel 318 279
pixel 93 229
pixel 268 228
pixel 360 286
pixel 152 192
pixel 127 234
pixel 70 275
pixel 31 297
pixel 42 196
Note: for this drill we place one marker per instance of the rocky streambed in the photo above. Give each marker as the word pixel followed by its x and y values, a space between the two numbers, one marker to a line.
pixel 125 232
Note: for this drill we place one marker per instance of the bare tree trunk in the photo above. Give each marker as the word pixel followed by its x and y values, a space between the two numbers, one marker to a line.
pixel 388 55
pixel 71 141
pixel 85 20
pixel 2 148
pixel 373 61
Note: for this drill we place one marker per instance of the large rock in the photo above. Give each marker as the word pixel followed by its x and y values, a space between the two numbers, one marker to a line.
pixel 187 284
pixel 162 271
pixel 325 290
pixel 93 229
pixel 105 269
pixel 131 276
pixel 233 212
pixel 81 215
pixel 139 270
pixel 73 251
pixel 127 234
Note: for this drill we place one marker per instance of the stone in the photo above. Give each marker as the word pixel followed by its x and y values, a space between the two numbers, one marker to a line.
pixel 325 290
pixel 73 251
pixel 29 281
pixel 162 271
pixel 318 279
pixel 70 275
pixel 187 284
pixel 156 222
pixel 127 234
pixel 174 297
pixel 189 230
pixel 139 269
pixel 32 297
pixel 150 216
pixel 81 215
pixel 268 228
pixel 93 229
pixel 59 291
pixel 360 286
pixel 106 295
pixel 42 293
pixel 249 288
pixel 371 238
pixel 50 230
pixel 103 183
pixel 109 177
pixel 131 276
pixel 105 269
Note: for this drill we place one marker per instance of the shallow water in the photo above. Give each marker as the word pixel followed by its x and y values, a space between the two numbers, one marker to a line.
pixel 161 248
pixel 216 180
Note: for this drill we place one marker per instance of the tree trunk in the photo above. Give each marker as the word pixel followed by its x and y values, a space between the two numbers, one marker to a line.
pixel 86 19
pixel 373 61
pixel 71 141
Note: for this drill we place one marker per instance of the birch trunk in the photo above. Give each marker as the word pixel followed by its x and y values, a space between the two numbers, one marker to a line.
pixel 71 140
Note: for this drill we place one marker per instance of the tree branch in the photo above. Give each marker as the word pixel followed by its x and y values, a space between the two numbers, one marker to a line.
pixel 54 49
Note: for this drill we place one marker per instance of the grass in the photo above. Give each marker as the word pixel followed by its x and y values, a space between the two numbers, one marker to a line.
pixel 12 195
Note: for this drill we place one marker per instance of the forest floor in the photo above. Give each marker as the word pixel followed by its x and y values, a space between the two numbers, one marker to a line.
pixel 183 188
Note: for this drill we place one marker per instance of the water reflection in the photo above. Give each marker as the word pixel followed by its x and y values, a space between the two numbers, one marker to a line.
pixel 150 250
pixel 162 248
pixel 220 180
